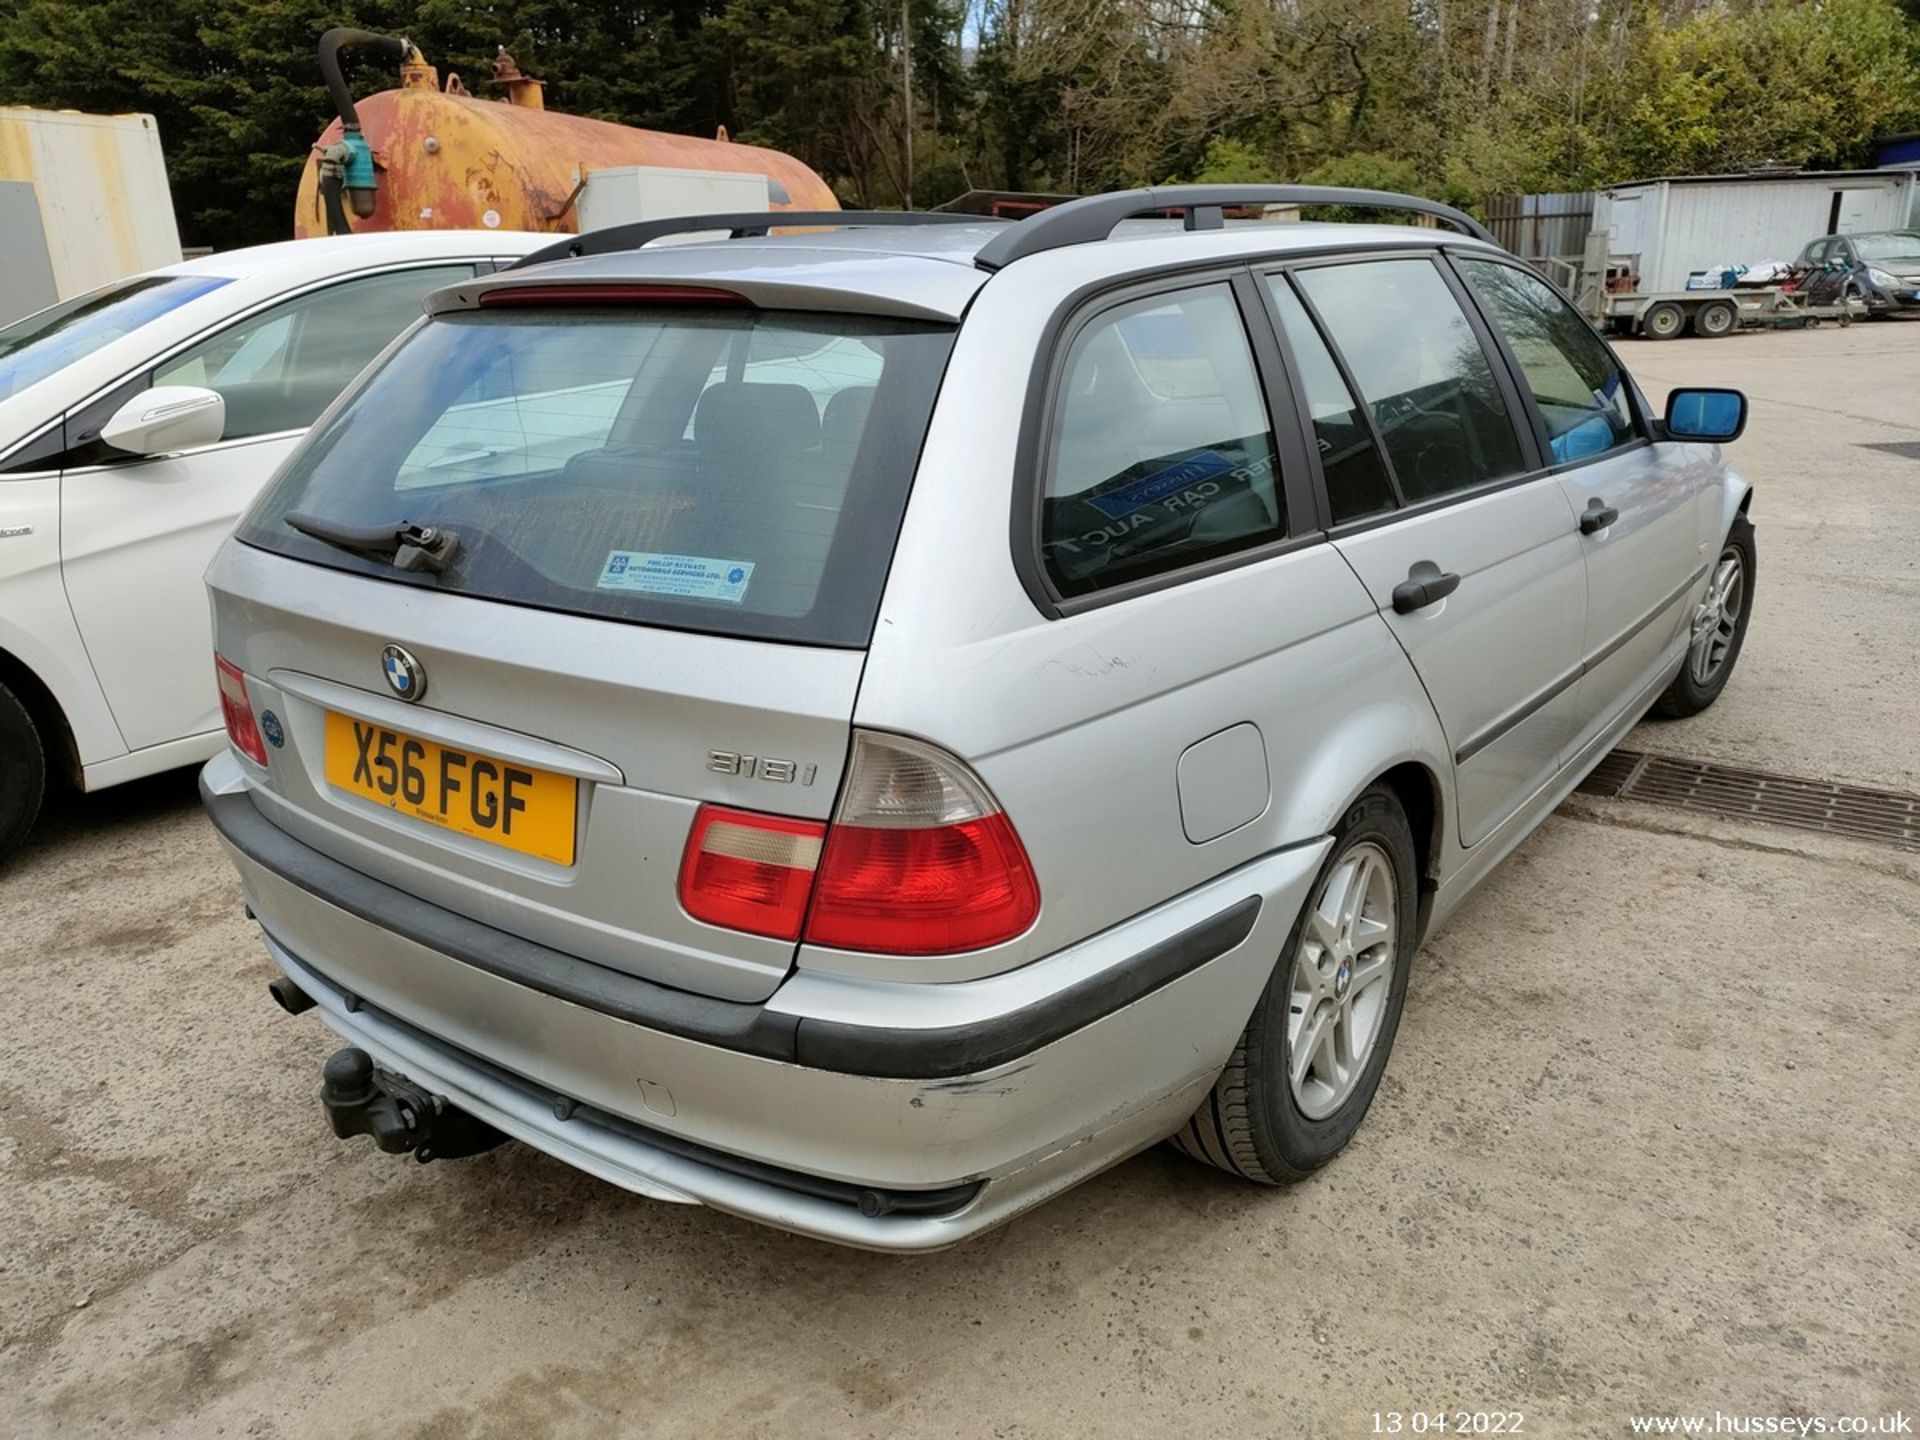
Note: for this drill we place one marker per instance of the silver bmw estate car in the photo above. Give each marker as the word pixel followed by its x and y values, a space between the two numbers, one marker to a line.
pixel 864 728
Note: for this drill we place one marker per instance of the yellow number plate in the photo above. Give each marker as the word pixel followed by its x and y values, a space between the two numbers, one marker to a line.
pixel 524 809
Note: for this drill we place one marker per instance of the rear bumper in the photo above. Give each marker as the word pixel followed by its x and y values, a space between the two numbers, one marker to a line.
pixel 967 1103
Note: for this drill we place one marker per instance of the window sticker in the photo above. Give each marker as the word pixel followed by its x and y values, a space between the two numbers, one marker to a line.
pixel 694 577
pixel 1149 489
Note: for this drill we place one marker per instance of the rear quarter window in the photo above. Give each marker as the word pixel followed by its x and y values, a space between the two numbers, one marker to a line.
pixel 1161 454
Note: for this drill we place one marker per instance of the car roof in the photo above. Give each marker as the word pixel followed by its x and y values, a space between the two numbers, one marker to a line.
pixel 328 253
pixel 925 271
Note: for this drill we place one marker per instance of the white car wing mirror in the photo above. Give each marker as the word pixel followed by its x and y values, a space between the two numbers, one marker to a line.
pixel 166 419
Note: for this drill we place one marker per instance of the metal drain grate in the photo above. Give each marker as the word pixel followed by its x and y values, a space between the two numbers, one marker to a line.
pixel 1612 774
pixel 1907 449
pixel 1888 816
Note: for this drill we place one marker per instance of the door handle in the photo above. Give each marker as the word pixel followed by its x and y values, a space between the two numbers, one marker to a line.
pixel 1597 516
pixel 1425 584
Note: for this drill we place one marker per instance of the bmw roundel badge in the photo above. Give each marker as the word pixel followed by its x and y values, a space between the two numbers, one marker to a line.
pixel 406 676
pixel 270 727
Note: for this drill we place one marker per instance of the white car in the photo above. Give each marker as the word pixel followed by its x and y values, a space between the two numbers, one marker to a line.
pixel 136 423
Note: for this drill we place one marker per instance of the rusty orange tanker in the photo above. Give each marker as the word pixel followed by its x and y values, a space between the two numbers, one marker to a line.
pixel 428 157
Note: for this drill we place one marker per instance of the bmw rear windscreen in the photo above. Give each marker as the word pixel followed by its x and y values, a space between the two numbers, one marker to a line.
pixel 730 470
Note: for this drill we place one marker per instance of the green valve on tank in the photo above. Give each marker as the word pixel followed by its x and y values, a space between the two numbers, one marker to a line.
pixel 358 173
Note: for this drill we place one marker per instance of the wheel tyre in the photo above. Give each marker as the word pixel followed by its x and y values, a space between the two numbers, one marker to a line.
pixel 1664 321
pixel 1710 322
pixel 1689 693
pixel 23 772
pixel 1252 1124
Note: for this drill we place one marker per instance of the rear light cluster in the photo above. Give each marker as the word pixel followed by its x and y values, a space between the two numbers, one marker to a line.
pixel 242 729
pixel 918 860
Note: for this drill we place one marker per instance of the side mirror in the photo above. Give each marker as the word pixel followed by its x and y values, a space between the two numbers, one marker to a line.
pixel 1706 415
pixel 166 419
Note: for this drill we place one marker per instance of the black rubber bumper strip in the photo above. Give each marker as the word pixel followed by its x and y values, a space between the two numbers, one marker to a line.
pixel 880 1052
pixel 966 1049
pixel 730 1024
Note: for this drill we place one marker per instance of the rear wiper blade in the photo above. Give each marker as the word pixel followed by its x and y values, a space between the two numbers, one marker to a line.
pixel 406 545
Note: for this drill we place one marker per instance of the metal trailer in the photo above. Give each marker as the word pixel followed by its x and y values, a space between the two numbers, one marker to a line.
pixel 1711 314
pixel 1792 310
pixel 1660 231
pixel 1669 314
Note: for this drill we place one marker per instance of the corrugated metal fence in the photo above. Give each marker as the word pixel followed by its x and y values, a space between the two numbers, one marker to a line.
pixel 1542 226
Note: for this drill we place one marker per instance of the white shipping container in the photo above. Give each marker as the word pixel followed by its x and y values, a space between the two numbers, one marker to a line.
pixel 624 194
pixel 83 201
pixel 1669 228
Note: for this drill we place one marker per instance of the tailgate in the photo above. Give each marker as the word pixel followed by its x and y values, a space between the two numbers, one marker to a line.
pixel 549 577
pixel 620 730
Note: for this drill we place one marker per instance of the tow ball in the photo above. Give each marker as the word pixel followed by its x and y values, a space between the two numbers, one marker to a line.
pixel 360 1098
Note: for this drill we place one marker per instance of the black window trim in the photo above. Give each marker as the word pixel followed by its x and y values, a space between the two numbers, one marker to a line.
pixel 1642 424
pixel 26 454
pixel 1323 497
pixel 1033 453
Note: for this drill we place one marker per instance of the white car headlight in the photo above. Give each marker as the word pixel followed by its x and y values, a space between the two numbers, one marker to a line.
pixel 1881 278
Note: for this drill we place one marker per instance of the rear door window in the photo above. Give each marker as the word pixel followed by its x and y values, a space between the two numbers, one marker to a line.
pixel 1577 384
pixel 1162 454
pixel 1357 481
pixel 729 470
pixel 1421 371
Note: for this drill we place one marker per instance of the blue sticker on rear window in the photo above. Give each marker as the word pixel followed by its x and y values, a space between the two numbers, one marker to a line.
pixel 693 577
pixel 1136 494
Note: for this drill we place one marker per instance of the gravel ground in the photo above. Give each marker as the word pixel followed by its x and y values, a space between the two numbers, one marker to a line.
pixel 1647 1143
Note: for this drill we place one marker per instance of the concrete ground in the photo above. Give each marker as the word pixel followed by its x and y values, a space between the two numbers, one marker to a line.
pixel 1831 671
pixel 1647 1143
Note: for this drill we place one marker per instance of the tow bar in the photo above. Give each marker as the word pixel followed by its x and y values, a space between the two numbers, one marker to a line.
pixel 362 1099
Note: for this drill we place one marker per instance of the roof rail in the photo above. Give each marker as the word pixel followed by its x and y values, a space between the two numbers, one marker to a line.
pixel 738 224
pixel 1079 222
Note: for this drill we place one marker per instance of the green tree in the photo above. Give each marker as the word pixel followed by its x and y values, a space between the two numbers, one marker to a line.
pixel 1457 99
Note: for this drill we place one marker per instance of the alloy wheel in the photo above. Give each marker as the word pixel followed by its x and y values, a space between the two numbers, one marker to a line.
pixel 1341 979
pixel 1717 620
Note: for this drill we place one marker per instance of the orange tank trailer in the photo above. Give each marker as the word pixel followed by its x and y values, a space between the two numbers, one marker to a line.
pixel 447 160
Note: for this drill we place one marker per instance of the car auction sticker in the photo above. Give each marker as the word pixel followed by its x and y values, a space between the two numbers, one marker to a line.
pixel 695 577
pixel 1157 486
